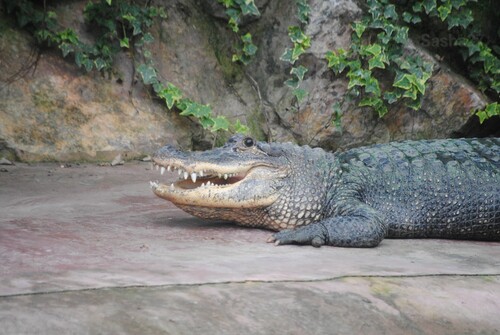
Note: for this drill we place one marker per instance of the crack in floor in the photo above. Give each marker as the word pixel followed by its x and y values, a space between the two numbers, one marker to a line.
pixel 283 281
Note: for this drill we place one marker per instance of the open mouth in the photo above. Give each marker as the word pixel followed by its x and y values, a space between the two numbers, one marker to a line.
pixel 202 178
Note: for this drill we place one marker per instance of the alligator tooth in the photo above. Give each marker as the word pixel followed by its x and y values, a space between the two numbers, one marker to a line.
pixel 169 168
pixel 172 187
pixel 179 172
pixel 193 177
pixel 202 184
pixel 219 175
pixel 209 183
pixel 162 170
pixel 201 173
pixel 186 175
pixel 225 175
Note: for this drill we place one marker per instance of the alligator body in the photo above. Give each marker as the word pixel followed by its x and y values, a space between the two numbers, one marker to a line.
pixel 413 189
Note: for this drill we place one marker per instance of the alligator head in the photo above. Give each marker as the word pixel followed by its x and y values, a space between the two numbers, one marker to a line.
pixel 245 181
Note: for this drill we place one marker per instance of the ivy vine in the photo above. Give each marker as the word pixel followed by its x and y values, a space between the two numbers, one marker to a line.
pixel 118 25
pixel 376 52
pixel 301 42
pixel 235 10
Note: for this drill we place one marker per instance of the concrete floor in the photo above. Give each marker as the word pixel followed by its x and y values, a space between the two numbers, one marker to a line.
pixel 90 250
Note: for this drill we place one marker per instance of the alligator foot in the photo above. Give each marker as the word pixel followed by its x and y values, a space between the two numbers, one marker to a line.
pixel 314 234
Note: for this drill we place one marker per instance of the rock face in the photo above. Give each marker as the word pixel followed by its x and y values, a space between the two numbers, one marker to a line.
pixel 54 111
pixel 445 109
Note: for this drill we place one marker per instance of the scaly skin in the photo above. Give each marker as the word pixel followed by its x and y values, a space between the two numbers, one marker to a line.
pixel 414 189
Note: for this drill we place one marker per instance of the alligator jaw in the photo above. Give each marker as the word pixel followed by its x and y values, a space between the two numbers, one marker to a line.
pixel 210 185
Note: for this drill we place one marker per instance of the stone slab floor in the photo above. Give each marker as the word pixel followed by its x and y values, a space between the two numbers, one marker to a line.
pixel 90 250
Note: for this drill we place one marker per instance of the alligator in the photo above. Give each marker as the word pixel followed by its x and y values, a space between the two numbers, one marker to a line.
pixel 446 189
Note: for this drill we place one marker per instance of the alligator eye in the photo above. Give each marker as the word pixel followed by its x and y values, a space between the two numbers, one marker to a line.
pixel 249 142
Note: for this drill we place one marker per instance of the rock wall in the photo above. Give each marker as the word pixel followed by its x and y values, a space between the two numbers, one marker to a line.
pixel 54 111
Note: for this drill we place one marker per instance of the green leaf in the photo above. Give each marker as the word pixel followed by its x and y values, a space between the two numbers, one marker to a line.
pixel 444 11
pixel 247 38
pixel 66 48
pixel 108 2
pixel 411 18
pixel 129 17
pixel 79 56
pixel 374 49
pixel 368 101
pixel 88 64
pixel 297 51
pixel 300 94
pixel 303 11
pixel 298 37
pixel 220 123
pixel 299 72
pixel 402 81
pixel 354 64
pixel 471 46
pixel 381 110
pixel 414 104
pixel 227 3
pixel 359 77
pixel 375 103
pixel 249 49
pixel 372 86
pixel 417 7
pixel 359 28
pixel 463 18
pixel 292 83
pixel 206 122
pixel 148 74
pixel 391 97
pixel 383 37
pixel 411 93
pixel 458 3
pixel 124 42
pixel 496 86
pixel 482 116
pixel 234 19
pixel 390 12
pixel 337 60
pixel 376 62
pixel 490 110
pixel 100 64
pixel 240 128
pixel 249 8
pixel 287 56
pixel 419 84
pixel 197 110
pixel 69 35
pixel 429 5
pixel 171 94
pixel 183 104
pixel 401 35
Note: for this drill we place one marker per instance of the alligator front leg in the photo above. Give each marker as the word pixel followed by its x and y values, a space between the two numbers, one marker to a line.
pixel 362 228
